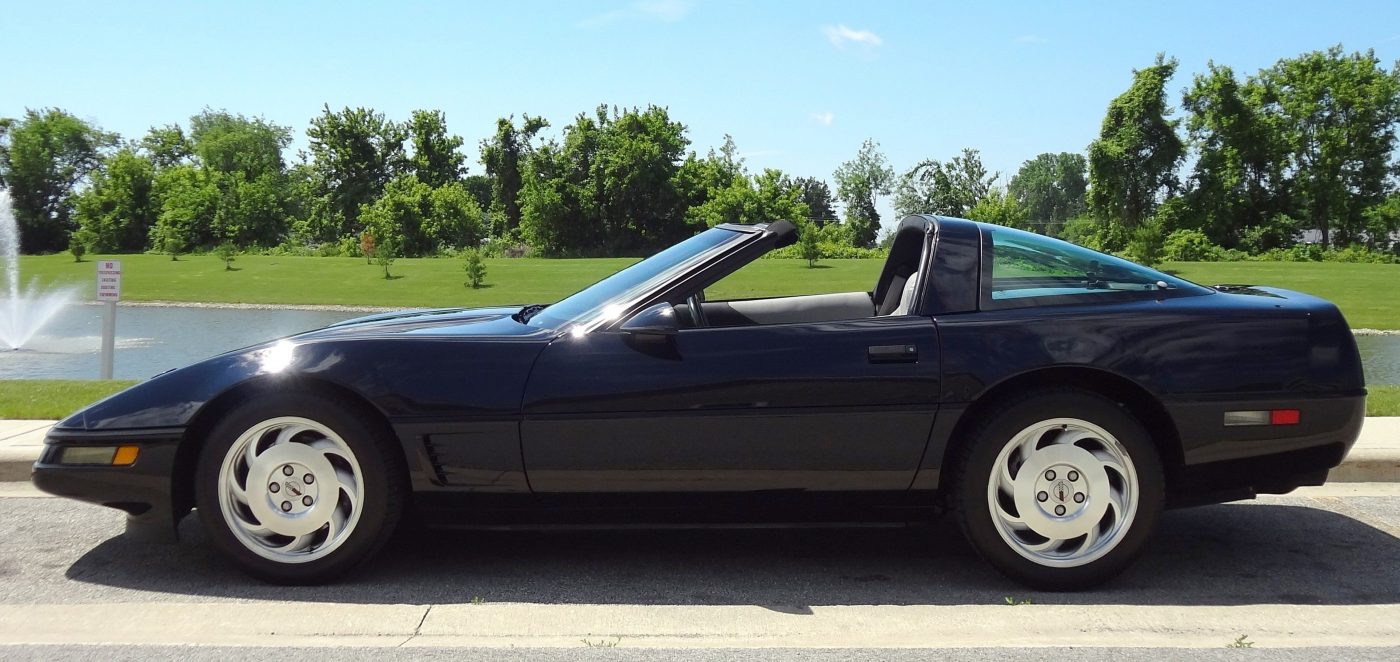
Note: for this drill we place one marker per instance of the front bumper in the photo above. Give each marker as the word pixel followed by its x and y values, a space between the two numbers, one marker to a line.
pixel 144 489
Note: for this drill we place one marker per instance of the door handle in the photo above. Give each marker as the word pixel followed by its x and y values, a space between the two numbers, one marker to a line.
pixel 892 353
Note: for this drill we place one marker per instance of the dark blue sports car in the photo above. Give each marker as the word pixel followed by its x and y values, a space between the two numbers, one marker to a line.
pixel 1054 398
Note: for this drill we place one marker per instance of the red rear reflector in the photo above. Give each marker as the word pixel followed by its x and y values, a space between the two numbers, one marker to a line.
pixel 1284 417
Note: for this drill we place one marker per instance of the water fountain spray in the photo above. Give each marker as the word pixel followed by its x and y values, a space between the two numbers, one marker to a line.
pixel 22 311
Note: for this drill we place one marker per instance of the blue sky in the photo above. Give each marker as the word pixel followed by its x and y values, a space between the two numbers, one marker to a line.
pixel 799 84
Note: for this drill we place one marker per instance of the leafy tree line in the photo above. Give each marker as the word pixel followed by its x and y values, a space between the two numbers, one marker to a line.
pixel 1306 145
pixel 615 182
pixel 1247 165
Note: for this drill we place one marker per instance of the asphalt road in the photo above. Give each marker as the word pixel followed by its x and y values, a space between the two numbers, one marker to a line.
pixel 1324 549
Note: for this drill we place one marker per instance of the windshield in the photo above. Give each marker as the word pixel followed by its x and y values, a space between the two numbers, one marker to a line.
pixel 611 296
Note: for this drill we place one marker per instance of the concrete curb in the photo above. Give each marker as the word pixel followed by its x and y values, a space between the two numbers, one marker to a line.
pixel 1374 459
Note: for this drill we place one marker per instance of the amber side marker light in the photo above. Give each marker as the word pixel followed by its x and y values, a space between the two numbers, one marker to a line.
pixel 1263 417
pixel 116 456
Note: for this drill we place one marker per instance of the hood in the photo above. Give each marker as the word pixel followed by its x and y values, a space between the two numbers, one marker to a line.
pixel 483 322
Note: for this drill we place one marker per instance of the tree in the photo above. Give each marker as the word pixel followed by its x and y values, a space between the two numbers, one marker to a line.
pixel 367 245
pixel 388 250
pixel 1132 164
pixel 1050 188
pixel 1382 223
pixel 426 218
pixel 354 153
pixel 1238 180
pixel 117 211
pixel 405 207
pixel 435 160
pixel 189 203
pixel 167 146
pixel 239 160
pixel 612 188
pixel 858 181
pixel 456 220
pixel 807 243
pixel 1339 115
pixel 816 195
pixel 233 144
pixel 44 157
pixel 504 156
pixel 765 198
pixel 951 189
pixel 1000 208
pixel 475 268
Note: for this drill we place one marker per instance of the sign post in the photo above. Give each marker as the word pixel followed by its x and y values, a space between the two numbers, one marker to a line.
pixel 109 292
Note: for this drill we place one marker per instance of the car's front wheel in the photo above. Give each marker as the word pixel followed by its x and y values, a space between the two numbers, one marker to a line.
pixel 1059 489
pixel 298 488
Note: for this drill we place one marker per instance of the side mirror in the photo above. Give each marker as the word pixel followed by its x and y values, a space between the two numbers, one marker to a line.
pixel 658 320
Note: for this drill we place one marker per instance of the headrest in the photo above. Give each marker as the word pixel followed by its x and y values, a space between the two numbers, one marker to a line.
pixel 784 231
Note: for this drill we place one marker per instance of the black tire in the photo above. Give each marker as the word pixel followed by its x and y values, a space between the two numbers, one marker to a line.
pixel 380 504
pixel 972 488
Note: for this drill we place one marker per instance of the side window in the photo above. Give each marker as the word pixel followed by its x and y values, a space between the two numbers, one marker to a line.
pixel 1026 265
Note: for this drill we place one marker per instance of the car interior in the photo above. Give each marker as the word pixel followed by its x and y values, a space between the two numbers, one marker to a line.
pixel 893 294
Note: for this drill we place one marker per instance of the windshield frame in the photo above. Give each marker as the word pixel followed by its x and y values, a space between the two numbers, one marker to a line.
pixel 637 283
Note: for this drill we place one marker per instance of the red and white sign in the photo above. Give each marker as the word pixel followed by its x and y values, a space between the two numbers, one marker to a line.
pixel 109 280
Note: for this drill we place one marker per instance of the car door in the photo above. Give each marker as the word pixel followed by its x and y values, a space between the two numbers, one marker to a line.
pixel 829 406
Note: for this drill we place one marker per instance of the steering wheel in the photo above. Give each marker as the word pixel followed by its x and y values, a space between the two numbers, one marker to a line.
pixel 697 309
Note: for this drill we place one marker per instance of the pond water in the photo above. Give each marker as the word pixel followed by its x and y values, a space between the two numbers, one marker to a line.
pixel 1380 356
pixel 153 339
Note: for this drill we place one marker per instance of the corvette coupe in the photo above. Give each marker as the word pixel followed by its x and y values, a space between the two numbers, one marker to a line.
pixel 1054 399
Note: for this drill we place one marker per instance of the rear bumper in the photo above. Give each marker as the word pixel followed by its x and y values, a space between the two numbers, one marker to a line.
pixel 144 490
pixel 1221 463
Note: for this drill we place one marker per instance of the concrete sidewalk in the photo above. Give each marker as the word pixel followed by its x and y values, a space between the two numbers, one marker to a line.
pixel 1374 459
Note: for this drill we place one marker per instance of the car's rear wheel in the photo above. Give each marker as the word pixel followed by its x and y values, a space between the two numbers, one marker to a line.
pixel 1059 489
pixel 299 488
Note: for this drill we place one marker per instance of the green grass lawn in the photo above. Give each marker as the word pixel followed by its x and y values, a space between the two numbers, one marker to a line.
pixel 1366 293
pixel 56 398
pixel 420 282
pixel 1383 401
pixel 52 398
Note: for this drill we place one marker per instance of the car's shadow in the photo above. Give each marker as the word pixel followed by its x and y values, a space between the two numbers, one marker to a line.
pixel 1218 555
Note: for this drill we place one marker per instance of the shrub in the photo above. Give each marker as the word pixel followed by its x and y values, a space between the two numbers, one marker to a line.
pixel 1358 254
pixel 1145 246
pixel 1281 231
pixel 475 268
pixel 1190 246
pixel 77 248
pixel 172 246
pixel 227 253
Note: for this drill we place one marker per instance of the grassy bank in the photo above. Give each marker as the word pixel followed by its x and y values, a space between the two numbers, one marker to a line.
pixel 417 282
pixel 52 398
pixel 56 398
pixel 1365 292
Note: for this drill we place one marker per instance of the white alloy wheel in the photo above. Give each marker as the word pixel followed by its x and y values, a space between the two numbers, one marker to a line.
pixel 290 490
pixel 1063 492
